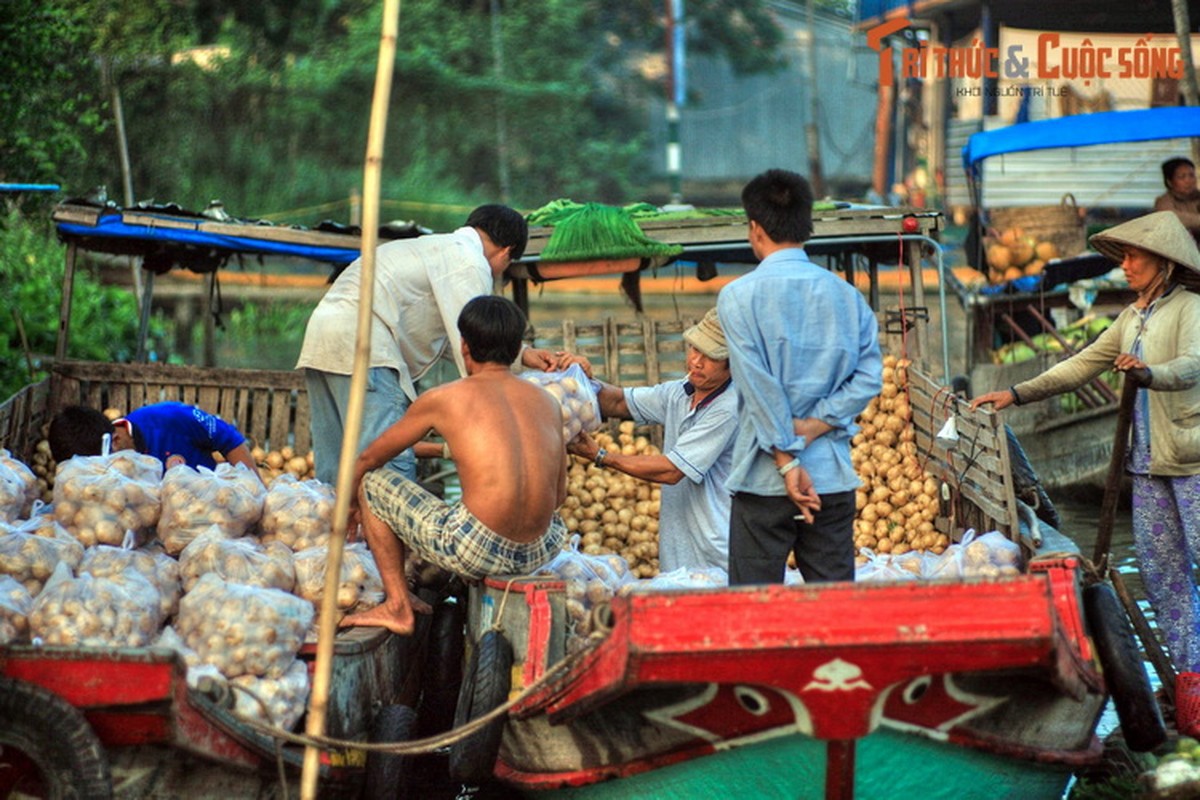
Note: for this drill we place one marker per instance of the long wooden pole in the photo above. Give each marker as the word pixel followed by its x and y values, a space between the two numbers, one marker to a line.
pixel 372 174
pixel 1116 468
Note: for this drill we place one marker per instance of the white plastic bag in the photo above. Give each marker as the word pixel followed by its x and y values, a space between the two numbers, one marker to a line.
pixel 573 390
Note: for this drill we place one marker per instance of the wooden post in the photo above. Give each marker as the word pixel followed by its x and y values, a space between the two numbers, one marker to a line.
pixel 839 769
pixel 1116 467
pixel 372 176
pixel 64 311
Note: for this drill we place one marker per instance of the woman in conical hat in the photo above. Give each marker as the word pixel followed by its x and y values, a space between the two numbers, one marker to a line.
pixel 1156 342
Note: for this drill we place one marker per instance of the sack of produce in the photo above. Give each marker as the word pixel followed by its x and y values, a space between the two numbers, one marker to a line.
pixel 123 610
pixel 298 513
pixel 31 559
pixel 243 630
pixel 360 586
pixel 194 499
pixel 589 581
pixel 104 561
pixel 241 560
pixel 98 498
pixel 171 640
pixel 681 578
pixel 42 522
pixel 15 603
pixel 886 568
pixel 991 555
pixel 275 701
pixel 572 388
pixel 18 487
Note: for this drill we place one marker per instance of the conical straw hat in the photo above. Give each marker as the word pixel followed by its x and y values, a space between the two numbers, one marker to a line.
pixel 1160 233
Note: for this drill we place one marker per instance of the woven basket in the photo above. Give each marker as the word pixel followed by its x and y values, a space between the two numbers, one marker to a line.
pixel 1061 224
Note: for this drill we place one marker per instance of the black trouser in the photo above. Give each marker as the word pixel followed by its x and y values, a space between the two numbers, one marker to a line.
pixel 762 531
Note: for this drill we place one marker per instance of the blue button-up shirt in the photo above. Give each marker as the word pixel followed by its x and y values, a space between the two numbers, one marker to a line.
pixel 803 342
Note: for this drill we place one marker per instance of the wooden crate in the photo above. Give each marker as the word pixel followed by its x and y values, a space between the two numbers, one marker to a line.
pixel 977 469
pixel 270 407
pixel 640 353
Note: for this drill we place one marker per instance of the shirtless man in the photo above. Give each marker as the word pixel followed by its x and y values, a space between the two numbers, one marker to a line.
pixel 507 440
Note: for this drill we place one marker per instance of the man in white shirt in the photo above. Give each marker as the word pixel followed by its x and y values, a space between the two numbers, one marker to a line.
pixel 421 286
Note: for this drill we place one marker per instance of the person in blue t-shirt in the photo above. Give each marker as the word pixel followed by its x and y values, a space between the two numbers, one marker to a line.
pixel 174 433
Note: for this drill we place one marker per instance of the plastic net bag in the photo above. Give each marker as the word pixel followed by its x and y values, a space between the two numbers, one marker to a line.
pixel 195 499
pixel 885 568
pixel 681 578
pixel 31 559
pixel 243 630
pixel 359 588
pixel 298 513
pixel 99 498
pixel 15 604
pixel 41 522
pixel 277 701
pixel 576 398
pixel 18 487
pixel 103 561
pixel 122 610
pixel 589 582
pixel 240 560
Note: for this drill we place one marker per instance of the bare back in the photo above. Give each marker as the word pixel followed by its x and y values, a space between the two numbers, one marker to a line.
pixel 505 435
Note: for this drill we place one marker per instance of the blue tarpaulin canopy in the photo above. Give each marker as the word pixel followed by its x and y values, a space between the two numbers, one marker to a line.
pixel 1081 130
pixel 194 241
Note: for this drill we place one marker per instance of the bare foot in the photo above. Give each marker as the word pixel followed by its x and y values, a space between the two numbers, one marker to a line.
pixel 396 617
pixel 418 605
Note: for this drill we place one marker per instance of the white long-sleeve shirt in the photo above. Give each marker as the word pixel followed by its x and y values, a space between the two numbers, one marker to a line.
pixel 421 286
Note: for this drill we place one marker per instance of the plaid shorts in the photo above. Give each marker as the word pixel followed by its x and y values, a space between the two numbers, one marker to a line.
pixel 449 535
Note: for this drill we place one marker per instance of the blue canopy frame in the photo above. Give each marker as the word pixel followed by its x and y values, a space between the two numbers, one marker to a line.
pixel 1081 130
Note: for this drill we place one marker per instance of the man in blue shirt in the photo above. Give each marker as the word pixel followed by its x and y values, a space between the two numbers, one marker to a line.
pixel 174 433
pixel 698 415
pixel 804 352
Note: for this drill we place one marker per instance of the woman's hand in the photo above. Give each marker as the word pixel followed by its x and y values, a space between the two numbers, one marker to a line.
pixel 1134 368
pixel 997 400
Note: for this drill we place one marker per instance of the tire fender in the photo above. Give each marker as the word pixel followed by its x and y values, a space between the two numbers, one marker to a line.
pixel 486 682
pixel 44 740
pixel 1124 673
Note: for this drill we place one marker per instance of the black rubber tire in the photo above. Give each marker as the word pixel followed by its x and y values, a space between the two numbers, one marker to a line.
pixel 441 671
pixel 485 686
pixel 1124 673
pixel 388 774
pixel 52 738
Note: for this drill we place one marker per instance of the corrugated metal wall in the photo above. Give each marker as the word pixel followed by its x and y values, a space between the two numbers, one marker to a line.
pixel 737 127
pixel 1125 175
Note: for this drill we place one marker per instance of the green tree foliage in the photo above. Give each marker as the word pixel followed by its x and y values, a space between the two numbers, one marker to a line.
pixel 537 99
pixel 104 319
pixel 48 92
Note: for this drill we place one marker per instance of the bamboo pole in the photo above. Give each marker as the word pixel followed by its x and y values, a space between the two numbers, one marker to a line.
pixel 372 173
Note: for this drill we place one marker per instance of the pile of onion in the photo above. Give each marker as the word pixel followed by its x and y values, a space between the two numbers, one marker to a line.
pixel 614 512
pixel 898 500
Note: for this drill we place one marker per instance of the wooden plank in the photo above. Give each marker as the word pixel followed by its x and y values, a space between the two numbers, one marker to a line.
pixel 650 347
pixel 281 423
pixel 260 401
pixel 301 424
pixel 209 399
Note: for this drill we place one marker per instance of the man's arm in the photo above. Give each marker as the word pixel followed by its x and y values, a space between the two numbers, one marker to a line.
pixel 411 428
pixel 612 401
pixel 241 455
pixel 656 468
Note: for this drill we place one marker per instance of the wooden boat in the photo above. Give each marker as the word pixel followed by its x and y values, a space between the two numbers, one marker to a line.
pixel 909 689
pixel 1070 444
pixel 836 685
